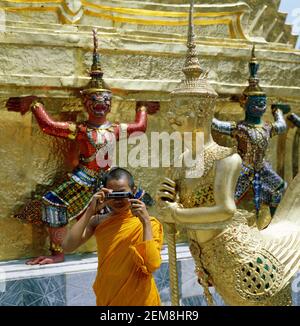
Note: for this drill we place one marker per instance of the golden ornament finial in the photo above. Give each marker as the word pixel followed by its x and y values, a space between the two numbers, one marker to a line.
pixel 253 51
pixel 253 57
pixel 95 40
pixel 191 69
pixel 195 81
pixel 191 34
pixel 96 83
pixel 254 87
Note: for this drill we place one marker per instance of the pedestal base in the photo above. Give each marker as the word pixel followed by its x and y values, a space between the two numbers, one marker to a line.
pixel 70 283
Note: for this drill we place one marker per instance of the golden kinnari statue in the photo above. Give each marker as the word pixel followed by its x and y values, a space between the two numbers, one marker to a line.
pixel 245 265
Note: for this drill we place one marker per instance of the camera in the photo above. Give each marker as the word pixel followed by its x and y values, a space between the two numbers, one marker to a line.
pixel 125 194
pixel 120 195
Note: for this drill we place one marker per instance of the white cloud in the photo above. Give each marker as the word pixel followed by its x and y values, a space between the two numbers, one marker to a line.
pixel 292 8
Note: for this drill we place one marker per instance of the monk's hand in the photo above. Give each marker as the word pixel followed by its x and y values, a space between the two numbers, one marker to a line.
pixel 99 201
pixel 20 104
pixel 138 209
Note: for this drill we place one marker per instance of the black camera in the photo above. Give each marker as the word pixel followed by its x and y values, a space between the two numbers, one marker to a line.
pixel 119 195
pixel 126 194
pixel 140 194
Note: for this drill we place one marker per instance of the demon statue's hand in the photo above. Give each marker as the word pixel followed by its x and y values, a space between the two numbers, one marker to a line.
pixel 293 120
pixel 285 108
pixel 152 107
pixel 20 104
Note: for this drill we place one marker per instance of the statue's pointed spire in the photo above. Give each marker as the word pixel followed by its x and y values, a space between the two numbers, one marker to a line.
pixel 96 83
pixel 253 52
pixel 253 88
pixel 96 66
pixel 191 69
pixel 195 81
pixel 253 64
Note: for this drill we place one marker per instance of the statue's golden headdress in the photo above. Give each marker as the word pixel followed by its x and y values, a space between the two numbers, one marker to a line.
pixel 96 83
pixel 253 88
pixel 195 82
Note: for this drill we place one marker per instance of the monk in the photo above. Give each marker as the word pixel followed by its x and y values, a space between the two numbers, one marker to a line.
pixel 128 242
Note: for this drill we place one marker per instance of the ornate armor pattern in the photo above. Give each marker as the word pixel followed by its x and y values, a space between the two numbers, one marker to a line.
pixel 246 272
pixel 257 174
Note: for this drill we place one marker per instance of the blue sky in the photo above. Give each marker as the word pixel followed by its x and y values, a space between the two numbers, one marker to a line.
pixel 292 7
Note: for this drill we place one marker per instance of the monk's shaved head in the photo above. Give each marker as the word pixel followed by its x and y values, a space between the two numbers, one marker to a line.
pixel 117 173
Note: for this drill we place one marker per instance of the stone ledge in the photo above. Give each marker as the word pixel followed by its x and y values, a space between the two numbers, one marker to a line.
pixel 74 263
pixel 124 87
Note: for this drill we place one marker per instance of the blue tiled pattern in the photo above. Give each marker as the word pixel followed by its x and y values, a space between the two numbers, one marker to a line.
pixel 45 291
pixel 193 301
pixel 40 291
pixel 296 290
pixel 162 281
pixel 75 289
pixel 79 291
pixel 13 295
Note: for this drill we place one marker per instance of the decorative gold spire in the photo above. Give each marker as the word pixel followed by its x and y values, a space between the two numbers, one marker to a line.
pixel 253 88
pixel 253 57
pixel 195 81
pixel 97 83
pixel 191 69
pixel 96 66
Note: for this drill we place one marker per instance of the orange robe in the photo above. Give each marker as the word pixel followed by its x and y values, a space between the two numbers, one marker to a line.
pixel 126 262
